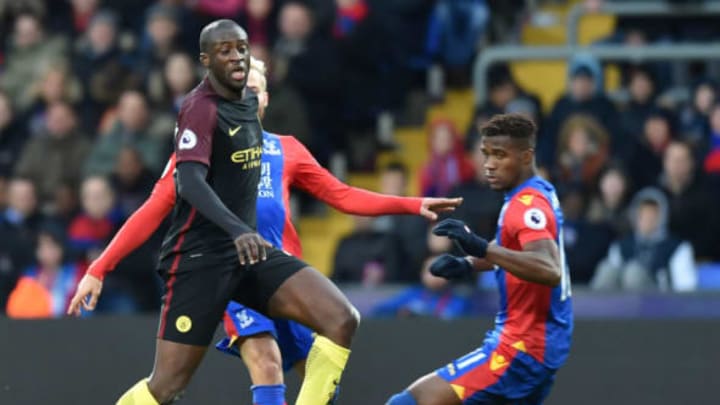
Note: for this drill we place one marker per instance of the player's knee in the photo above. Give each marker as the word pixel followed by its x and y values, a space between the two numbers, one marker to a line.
pixel 403 398
pixel 347 323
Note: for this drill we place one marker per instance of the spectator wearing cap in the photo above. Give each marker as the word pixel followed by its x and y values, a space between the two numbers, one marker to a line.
pixel 585 95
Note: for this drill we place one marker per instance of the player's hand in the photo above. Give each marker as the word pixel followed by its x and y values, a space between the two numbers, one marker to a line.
pixel 430 207
pixel 251 248
pixel 86 295
pixel 460 233
pixel 451 267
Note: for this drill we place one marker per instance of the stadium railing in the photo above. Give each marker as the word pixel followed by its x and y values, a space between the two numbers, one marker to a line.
pixel 638 9
pixel 496 54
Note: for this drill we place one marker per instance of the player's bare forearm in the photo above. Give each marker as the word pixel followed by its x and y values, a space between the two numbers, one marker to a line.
pixel 538 262
pixel 481 264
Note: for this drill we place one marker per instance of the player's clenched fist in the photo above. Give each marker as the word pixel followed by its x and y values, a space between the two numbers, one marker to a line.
pixel 251 248
pixel 460 233
pixel 86 295
pixel 451 267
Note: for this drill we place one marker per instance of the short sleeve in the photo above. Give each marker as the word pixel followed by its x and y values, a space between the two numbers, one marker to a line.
pixel 530 218
pixel 195 126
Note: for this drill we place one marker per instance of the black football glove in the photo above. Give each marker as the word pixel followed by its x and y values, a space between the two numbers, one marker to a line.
pixel 451 267
pixel 460 233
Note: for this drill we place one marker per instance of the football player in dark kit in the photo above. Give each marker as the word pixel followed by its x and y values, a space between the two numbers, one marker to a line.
pixel 218 148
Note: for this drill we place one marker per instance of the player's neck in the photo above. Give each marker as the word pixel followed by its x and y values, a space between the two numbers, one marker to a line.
pixel 223 91
pixel 525 176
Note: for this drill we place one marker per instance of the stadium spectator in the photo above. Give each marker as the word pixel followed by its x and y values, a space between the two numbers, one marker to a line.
pixel 23 211
pixel 583 148
pixel 642 92
pixel 160 39
pixel 93 227
pixel 219 8
pixel 131 180
pixel 586 243
pixel 13 136
pixel 585 95
pixel 307 61
pixel 179 77
pixel 44 290
pixel 408 230
pixel 646 160
pixel 608 205
pixel 650 258
pixel 481 205
pixel 104 68
pixel 433 297
pixel 694 117
pixel 259 22
pixel 56 85
pixel 65 205
pixel 16 253
pixel 57 155
pixel 690 200
pixel 456 28
pixel 30 55
pixel 366 256
pixel 711 164
pixel 447 165
pixel 133 127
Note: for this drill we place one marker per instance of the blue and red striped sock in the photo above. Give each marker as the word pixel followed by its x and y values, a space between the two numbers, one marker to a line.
pixel 268 394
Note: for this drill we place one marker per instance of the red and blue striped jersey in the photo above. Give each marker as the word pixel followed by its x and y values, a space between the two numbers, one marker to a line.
pixel 533 318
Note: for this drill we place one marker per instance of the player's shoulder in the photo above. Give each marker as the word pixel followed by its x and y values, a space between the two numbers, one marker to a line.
pixel 202 96
pixel 529 197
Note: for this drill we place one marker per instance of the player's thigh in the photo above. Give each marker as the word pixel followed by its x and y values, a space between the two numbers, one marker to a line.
pixel 286 287
pixel 195 296
pixel 433 390
pixel 475 378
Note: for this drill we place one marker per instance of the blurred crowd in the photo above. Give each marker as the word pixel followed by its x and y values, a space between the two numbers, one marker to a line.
pixel 89 90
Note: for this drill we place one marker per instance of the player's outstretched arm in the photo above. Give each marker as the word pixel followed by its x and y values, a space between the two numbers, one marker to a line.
pixel 134 232
pixel 193 187
pixel 321 184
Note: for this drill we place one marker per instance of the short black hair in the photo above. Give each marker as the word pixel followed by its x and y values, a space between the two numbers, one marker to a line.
pixel 514 125
pixel 207 35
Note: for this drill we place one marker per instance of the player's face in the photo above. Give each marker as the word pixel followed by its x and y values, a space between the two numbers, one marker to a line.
pixel 256 83
pixel 504 161
pixel 228 58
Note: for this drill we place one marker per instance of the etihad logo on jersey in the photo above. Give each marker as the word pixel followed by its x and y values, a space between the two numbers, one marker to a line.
pixel 248 158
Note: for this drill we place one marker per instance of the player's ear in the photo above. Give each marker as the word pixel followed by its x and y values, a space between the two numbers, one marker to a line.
pixel 528 155
pixel 204 59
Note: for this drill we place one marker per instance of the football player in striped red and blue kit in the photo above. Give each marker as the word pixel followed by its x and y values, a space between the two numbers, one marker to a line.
pixel 519 358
